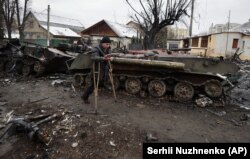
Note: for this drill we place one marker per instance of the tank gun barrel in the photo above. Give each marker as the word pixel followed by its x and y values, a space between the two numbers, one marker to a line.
pixel 142 62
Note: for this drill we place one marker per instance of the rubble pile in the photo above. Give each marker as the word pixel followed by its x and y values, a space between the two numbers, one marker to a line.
pixel 241 93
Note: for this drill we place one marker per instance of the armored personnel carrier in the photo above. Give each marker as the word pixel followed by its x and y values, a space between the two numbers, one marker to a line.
pixel 158 78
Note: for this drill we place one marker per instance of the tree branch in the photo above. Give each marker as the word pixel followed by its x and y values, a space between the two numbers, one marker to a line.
pixel 146 13
pixel 136 10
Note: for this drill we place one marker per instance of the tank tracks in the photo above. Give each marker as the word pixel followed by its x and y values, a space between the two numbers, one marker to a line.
pixel 178 90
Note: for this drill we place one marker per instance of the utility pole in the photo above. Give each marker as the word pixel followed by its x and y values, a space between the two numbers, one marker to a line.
pixel 191 19
pixel 48 37
pixel 228 25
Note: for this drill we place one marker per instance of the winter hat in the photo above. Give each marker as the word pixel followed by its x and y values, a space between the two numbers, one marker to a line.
pixel 105 39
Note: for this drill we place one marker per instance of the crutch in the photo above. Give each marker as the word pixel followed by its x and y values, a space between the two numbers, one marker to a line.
pixel 112 79
pixel 96 83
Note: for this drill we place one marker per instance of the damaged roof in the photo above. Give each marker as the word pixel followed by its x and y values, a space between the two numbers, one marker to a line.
pixel 244 28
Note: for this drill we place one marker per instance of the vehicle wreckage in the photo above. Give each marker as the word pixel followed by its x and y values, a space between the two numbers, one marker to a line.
pixel 10 53
pixel 28 126
pixel 32 59
pixel 181 79
pixel 38 60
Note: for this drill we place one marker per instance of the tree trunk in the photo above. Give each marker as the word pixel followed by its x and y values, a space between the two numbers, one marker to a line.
pixel 21 25
pixel 145 43
pixel 1 20
pixel 148 41
pixel 21 34
pixel 9 30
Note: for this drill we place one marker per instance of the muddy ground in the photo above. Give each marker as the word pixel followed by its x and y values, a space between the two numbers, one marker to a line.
pixel 117 131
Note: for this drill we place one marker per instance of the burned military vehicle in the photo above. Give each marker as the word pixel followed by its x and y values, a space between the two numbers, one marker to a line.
pixel 32 59
pixel 10 55
pixel 154 77
pixel 38 60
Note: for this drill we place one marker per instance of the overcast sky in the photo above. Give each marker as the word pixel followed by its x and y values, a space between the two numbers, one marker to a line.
pixel 91 11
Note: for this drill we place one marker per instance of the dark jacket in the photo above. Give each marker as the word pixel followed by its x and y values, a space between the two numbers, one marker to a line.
pixel 99 52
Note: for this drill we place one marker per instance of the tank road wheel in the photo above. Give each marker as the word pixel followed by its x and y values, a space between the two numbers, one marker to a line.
pixel 213 88
pixel 39 68
pixel 157 88
pixel 108 84
pixel 26 70
pixel 78 80
pixel 183 91
pixel 133 85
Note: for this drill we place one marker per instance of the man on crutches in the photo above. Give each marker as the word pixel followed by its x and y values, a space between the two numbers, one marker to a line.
pixel 96 79
pixel 101 72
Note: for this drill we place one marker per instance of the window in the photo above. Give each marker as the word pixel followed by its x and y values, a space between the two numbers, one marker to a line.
pixel 204 41
pixel 195 42
pixel 173 46
pixel 235 43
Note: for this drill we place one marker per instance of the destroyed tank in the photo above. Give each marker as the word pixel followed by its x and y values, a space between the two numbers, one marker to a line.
pixel 38 60
pixel 154 77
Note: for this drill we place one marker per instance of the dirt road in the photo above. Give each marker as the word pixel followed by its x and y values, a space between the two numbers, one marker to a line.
pixel 119 129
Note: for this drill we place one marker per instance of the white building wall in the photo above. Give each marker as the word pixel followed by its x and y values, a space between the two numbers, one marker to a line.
pixel 246 54
pixel 223 46
pixel 125 42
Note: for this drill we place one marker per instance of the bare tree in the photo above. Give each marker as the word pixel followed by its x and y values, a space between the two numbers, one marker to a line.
pixel 21 18
pixel 154 15
pixel 9 8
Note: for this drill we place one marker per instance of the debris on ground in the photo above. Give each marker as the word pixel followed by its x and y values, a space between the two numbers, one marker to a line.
pixel 75 144
pixel 3 103
pixel 112 143
pixel 235 123
pixel 245 117
pixel 57 82
pixel 150 137
pixel 218 113
pixel 203 101
pixel 27 126
pixel 240 94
